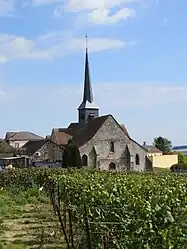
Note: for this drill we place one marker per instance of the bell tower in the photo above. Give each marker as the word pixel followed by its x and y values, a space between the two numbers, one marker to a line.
pixel 87 110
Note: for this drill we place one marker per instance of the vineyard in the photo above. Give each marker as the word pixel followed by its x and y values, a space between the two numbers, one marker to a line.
pixel 122 210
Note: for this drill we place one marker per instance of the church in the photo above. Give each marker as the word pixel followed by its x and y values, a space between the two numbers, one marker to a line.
pixel 103 143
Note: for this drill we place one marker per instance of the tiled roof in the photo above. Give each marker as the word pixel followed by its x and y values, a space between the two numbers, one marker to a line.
pixel 61 136
pixel 152 149
pixel 22 135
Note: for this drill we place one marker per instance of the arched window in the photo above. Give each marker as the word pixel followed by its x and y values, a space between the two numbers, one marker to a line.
pixel 84 160
pixel 137 159
pixel 112 166
pixel 111 146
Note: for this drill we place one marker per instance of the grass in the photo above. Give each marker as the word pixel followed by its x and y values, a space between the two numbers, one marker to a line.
pixel 27 221
pixel 158 169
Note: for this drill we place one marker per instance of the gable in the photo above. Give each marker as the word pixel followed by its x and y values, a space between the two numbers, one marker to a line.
pixel 60 136
pixel 111 130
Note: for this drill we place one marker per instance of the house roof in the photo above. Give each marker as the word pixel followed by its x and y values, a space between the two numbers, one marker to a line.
pixel 22 135
pixel 152 149
pixel 32 146
pixel 9 135
pixel 61 137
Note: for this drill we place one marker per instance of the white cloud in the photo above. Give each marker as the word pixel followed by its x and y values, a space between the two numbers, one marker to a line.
pixel 103 16
pixel 51 46
pixel 100 11
pixel 148 109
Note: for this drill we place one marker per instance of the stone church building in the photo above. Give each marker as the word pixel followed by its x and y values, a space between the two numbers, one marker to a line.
pixel 102 141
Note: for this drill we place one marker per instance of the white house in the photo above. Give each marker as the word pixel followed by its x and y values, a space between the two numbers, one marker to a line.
pixel 18 139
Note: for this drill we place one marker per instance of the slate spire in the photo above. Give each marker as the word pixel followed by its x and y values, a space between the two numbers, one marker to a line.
pixel 88 94
pixel 88 108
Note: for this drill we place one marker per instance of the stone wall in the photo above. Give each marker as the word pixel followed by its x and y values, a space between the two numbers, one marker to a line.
pixel 48 152
pixel 111 131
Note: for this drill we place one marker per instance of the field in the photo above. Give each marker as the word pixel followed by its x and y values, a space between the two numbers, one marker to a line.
pixel 125 210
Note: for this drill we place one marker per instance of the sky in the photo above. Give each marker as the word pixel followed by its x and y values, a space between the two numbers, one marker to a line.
pixel 137 53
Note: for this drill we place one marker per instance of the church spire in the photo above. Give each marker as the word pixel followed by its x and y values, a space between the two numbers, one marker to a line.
pixel 87 109
pixel 88 94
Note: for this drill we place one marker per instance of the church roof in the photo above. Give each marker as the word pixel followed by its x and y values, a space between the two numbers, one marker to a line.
pixel 81 134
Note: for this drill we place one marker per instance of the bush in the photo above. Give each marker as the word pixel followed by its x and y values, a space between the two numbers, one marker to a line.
pixel 178 167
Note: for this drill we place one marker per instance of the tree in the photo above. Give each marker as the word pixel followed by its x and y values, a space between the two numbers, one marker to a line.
pixel 71 156
pixel 162 144
pixel 182 159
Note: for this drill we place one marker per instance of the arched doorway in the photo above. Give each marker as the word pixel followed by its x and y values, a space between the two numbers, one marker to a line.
pixel 84 160
pixel 112 166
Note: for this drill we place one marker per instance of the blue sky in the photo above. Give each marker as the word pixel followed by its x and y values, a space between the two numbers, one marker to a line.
pixel 138 58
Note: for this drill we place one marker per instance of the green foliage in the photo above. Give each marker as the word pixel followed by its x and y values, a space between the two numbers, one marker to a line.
pixel 71 155
pixel 134 210
pixel 182 159
pixel 162 144
pixel 182 163
pixel 6 148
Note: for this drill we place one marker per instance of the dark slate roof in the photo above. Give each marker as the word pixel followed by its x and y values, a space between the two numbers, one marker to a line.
pixel 75 125
pixel 32 146
pixel 80 134
pixel 22 135
pixel 152 149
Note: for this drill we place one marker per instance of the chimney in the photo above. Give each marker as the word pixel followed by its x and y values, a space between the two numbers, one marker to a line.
pixel 144 143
